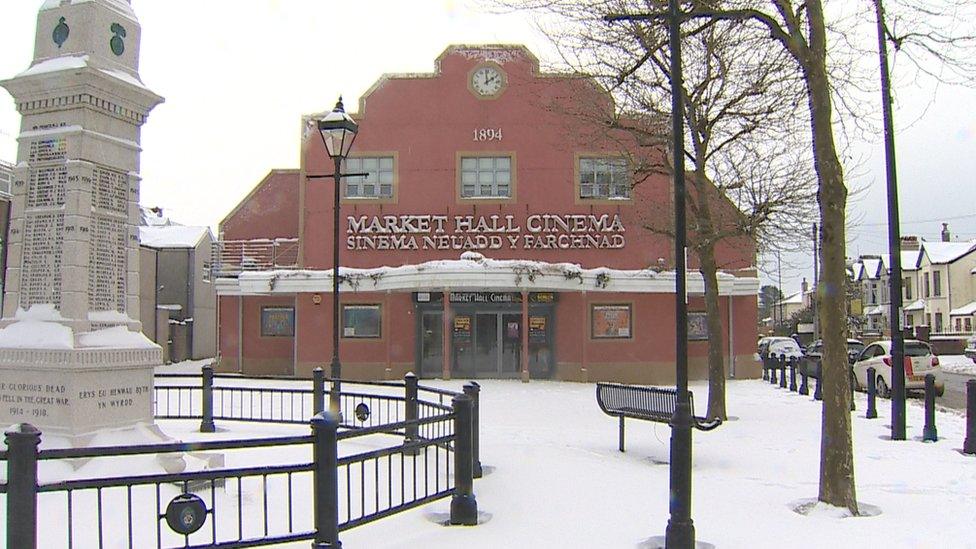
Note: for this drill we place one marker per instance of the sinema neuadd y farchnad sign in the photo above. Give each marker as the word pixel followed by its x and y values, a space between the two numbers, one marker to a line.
pixel 485 232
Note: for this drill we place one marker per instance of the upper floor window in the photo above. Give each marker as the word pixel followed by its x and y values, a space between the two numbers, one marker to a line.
pixel 379 182
pixel 605 178
pixel 907 285
pixel 927 292
pixel 486 177
pixel 936 283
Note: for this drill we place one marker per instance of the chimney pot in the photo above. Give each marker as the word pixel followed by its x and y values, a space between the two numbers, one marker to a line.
pixel 945 232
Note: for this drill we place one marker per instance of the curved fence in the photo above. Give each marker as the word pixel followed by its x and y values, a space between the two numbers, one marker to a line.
pixel 393 446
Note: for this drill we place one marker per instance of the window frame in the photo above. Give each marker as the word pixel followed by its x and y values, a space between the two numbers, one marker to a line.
pixel 936 283
pixel 268 308
pixel 630 321
pixel 342 320
pixel 512 181
pixel 344 197
pixel 577 186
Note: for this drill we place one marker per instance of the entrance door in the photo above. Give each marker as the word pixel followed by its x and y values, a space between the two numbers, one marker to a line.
pixel 511 344
pixel 486 334
pixel 432 344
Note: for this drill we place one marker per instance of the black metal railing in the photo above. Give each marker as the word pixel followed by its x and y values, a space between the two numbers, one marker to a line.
pixel 425 450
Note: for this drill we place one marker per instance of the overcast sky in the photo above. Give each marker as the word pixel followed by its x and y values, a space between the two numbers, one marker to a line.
pixel 237 76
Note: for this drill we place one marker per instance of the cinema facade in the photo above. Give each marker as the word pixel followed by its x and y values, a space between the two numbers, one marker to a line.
pixel 500 234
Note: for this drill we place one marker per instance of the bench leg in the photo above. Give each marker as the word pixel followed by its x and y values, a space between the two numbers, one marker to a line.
pixel 621 445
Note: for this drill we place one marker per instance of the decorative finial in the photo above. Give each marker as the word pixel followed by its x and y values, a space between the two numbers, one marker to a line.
pixel 339 107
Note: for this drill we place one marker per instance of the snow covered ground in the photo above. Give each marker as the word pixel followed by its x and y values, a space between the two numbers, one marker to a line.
pixel 554 477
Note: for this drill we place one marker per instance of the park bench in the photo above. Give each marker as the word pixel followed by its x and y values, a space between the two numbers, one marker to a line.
pixel 646 403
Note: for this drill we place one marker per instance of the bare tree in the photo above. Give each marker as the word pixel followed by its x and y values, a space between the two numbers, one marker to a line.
pixel 752 182
pixel 936 38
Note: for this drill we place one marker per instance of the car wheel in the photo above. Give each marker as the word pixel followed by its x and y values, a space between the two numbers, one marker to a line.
pixel 883 391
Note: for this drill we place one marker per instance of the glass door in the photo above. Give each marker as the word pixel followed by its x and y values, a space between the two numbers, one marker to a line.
pixel 431 344
pixel 511 344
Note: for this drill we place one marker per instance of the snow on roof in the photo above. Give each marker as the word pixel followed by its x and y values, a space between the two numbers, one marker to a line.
pixel 909 260
pixel 947 252
pixel 966 310
pixel 57 64
pixel 876 310
pixel 917 305
pixel 153 217
pixel 872 267
pixel 171 236
pixel 793 299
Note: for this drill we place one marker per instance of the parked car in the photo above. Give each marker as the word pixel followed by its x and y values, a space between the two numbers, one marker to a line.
pixel 811 362
pixel 786 346
pixel 919 361
pixel 971 348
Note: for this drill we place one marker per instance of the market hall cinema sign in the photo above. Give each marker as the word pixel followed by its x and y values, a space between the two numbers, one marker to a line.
pixel 485 232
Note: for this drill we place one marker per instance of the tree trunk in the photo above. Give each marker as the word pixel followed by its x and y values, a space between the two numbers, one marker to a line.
pixel 836 445
pixel 716 364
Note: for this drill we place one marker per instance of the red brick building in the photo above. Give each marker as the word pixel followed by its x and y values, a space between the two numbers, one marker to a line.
pixel 490 158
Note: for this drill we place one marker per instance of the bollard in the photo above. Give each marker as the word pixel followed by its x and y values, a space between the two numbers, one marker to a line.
pixel 969 445
pixel 318 391
pixel 793 362
pixel 207 424
pixel 772 370
pixel 325 480
pixel 411 432
pixel 765 367
pixel 817 393
pixel 22 440
pixel 464 506
pixel 872 395
pixel 804 386
pixel 473 390
pixel 782 371
pixel 929 432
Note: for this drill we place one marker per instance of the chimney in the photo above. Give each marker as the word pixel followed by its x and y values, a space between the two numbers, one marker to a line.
pixel 804 286
pixel 909 243
pixel 945 232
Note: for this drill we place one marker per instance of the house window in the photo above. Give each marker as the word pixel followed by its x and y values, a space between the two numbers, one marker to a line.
pixel 969 324
pixel 361 321
pixel 958 324
pixel 486 177
pixel 277 321
pixel 938 322
pixel 936 283
pixel 909 320
pixel 907 285
pixel 606 178
pixel 205 276
pixel 379 182
pixel 611 322
pixel 927 293
pixel 928 319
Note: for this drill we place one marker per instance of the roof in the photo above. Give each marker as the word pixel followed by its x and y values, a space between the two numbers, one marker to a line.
pixel 966 310
pixel 872 267
pixel 171 236
pixel 793 299
pixel 947 252
pixel 917 305
pixel 909 260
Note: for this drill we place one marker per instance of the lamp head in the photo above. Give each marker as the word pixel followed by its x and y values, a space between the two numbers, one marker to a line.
pixel 338 131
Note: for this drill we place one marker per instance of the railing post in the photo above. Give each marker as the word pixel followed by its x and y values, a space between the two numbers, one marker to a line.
pixel 22 440
pixel 969 445
pixel 782 372
pixel 318 391
pixel 464 506
pixel 793 374
pixel 804 383
pixel 473 390
pixel 817 393
pixel 929 432
pixel 872 395
pixel 411 411
pixel 325 481
pixel 206 377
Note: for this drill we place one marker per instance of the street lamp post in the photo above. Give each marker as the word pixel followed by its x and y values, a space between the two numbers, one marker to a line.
pixel 338 131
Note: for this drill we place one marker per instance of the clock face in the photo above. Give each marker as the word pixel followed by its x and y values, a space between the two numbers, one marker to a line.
pixel 487 81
